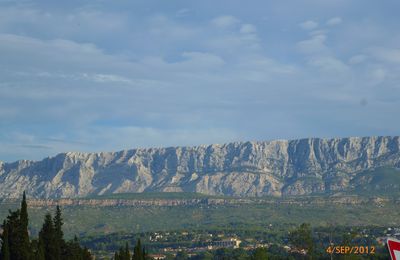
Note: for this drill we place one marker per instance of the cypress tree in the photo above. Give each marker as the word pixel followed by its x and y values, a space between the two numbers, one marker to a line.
pixel 75 252
pixel 58 233
pixel 40 252
pixel 24 213
pixel 127 255
pixel 75 249
pixel 72 249
pixel 14 238
pixel 144 253
pixel 47 235
pixel 5 247
pixel 24 247
pixel 138 251
pixel 19 247
pixel 16 244
pixel 122 253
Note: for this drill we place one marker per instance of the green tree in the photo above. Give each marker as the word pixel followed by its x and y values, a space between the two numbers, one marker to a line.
pixel 301 238
pixel 58 233
pixel 240 254
pixel 275 252
pixel 121 253
pixel 73 251
pixel 18 243
pixel 24 247
pixel 207 256
pixel 47 237
pixel 14 238
pixel 40 251
pixel 5 248
pixel 127 253
pixel 51 245
pixel 116 256
pixel 86 255
pixel 139 252
pixel 203 256
pixel 260 254
pixel 182 255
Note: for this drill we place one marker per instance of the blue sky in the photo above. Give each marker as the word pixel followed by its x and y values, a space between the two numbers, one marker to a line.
pixel 112 75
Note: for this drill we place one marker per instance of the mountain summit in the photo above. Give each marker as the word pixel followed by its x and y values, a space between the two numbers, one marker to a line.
pixel 274 168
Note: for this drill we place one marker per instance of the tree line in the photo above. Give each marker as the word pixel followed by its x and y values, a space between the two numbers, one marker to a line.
pixel 139 252
pixel 50 244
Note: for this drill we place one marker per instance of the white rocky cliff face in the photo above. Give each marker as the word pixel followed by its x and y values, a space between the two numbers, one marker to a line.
pixel 274 168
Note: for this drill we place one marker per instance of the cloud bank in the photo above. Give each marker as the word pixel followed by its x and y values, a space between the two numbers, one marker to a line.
pixel 109 76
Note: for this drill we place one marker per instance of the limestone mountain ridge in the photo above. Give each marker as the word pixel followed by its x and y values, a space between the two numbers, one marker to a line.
pixel 242 169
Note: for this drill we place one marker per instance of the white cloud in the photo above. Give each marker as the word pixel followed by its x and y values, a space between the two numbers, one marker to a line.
pixel 244 38
pixel 183 12
pixel 162 26
pixel 309 25
pixel 318 32
pixel 52 73
pixel 206 60
pixel 27 19
pixel 314 45
pixel 58 51
pixel 386 54
pixel 334 21
pixel 129 137
pixel 378 75
pixel 104 78
pixel 112 139
pixel 329 64
pixel 150 77
pixel 357 59
pixel 248 28
pixel 225 21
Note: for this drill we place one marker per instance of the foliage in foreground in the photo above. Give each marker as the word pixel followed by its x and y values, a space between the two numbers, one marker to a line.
pixel 50 245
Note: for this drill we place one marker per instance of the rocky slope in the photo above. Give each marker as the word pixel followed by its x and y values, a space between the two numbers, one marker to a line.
pixel 297 167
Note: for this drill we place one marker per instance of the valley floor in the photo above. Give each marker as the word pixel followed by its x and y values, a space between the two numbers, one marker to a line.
pixel 173 226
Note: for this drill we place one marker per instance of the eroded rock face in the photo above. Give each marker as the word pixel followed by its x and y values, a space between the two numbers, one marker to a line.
pixel 274 168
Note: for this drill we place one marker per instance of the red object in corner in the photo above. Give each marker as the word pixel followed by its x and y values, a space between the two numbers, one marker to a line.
pixel 394 248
